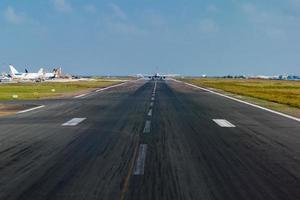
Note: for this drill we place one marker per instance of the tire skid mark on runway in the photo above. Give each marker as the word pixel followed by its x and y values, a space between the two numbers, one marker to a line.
pixel 140 161
pixel 127 179
pixel 74 122
pixel 224 123
pixel 137 163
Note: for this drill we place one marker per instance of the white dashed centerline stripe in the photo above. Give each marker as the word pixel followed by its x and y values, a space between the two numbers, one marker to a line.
pixel 30 109
pixel 223 123
pixel 150 112
pixel 152 104
pixel 147 127
pixel 73 122
pixel 152 99
pixel 139 167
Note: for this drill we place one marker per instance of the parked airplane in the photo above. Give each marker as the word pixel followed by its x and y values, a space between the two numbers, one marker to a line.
pixel 50 75
pixel 5 77
pixel 26 76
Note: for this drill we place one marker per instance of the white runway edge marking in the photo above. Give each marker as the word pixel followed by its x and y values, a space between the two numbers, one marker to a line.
pixel 241 101
pixel 139 167
pixel 223 123
pixel 147 127
pixel 102 89
pixel 73 122
pixel 109 87
pixel 31 109
pixel 150 112
pixel 81 95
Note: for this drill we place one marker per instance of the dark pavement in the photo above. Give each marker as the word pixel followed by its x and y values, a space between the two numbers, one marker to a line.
pixel 180 154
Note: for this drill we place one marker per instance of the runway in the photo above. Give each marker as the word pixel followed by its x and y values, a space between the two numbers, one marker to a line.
pixel 149 140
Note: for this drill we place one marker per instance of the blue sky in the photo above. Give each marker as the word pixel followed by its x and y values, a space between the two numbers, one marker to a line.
pixel 188 37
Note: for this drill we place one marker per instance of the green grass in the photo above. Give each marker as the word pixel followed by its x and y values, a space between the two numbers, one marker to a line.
pixel 29 91
pixel 282 92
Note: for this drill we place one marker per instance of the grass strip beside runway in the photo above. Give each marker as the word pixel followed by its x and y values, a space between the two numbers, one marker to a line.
pixel 283 92
pixel 278 95
pixel 30 91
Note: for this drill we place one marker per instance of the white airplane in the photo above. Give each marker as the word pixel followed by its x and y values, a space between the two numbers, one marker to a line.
pixel 56 73
pixel 5 78
pixel 50 75
pixel 26 76
pixel 157 76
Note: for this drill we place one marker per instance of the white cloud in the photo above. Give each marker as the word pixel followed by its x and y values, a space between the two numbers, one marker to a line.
pixel 62 6
pixel 12 17
pixel 90 8
pixel 208 26
pixel 118 12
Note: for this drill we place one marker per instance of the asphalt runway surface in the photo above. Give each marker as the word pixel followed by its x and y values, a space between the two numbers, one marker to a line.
pixel 149 140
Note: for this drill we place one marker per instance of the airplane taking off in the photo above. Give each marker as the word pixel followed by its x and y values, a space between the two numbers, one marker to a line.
pixel 157 76
pixel 25 76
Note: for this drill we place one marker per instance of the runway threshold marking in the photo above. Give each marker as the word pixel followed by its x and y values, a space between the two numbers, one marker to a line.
pixel 73 122
pixel 140 162
pixel 223 123
pixel 147 127
pixel 150 113
pixel 240 101
pixel 30 109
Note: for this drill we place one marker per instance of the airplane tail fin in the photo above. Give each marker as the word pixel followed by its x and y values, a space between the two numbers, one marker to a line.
pixel 13 71
pixel 41 71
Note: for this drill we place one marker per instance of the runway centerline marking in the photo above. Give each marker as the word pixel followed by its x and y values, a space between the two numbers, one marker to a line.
pixel 223 123
pixel 140 162
pixel 73 122
pixel 30 109
pixel 152 99
pixel 147 127
pixel 150 112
